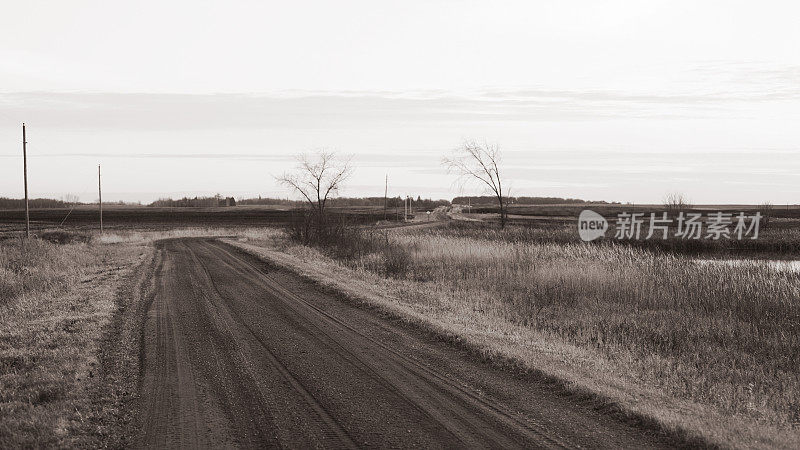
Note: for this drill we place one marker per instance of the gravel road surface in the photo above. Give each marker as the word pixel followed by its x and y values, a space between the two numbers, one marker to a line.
pixel 239 353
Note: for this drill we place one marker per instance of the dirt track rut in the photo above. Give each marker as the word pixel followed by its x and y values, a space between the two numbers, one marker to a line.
pixel 238 353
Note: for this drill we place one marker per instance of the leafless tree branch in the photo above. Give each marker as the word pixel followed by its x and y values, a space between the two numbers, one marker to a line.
pixel 316 178
pixel 473 161
pixel 676 203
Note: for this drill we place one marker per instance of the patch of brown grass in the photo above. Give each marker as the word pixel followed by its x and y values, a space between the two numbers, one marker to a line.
pixel 54 302
pixel 35 266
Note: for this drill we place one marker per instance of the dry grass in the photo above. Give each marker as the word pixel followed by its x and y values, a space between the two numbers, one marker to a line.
pixel 32 267
pixel 54 302
pixel 148 236
pixel 712 350
pixel 712 333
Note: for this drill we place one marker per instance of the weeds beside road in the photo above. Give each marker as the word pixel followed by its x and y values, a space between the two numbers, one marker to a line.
pixel 62 335
pixel 55 301
pixel 708 349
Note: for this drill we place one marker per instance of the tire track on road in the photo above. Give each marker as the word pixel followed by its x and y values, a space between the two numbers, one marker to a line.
pixel 422 373
pixel 335 431
pixel 238 353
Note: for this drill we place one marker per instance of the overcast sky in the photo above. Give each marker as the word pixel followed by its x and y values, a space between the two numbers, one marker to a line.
pixel 594 99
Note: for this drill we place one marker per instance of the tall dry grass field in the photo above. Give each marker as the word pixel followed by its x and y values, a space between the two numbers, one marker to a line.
pixel 718 335
pixel 34 266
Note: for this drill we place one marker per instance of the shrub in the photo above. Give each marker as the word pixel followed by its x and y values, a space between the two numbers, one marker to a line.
pixel 352 244
pixel 62 237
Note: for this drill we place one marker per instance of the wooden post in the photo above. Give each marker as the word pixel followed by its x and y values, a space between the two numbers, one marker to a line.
pixel 25 176
pixel 385 193
pixel 100 197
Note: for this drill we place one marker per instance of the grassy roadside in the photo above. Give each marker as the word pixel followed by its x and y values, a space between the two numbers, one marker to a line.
pixel 56 302
pixel 70 322
pixel 705 351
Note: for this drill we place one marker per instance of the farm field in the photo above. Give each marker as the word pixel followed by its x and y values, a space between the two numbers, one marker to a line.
pixel 139 217
pixel 557 224
pixel 144 217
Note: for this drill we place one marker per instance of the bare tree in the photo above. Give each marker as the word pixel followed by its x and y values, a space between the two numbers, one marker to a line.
pixel 70 199
pixel 317 177
pixel 676 202
pixel 473 161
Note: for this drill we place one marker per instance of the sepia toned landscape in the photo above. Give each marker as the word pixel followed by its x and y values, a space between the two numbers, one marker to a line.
pixel 419 224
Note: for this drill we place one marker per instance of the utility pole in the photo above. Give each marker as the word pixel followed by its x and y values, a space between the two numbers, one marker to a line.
pixel 100 200
pixel 25 176
pixel 405 209
pixel 385 194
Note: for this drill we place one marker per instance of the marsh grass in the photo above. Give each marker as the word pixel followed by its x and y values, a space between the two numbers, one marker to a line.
pixel 718 335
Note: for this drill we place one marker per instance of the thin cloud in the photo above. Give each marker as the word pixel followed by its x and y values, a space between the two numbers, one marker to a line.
pixel 236 156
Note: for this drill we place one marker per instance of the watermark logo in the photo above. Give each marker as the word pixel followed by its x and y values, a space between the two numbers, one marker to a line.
pixel 591 225
pixel 714 226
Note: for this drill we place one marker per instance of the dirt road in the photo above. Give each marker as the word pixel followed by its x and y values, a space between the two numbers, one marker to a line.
pixel 236 352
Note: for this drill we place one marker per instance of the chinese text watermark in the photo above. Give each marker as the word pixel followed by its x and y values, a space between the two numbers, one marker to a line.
pixel 716 225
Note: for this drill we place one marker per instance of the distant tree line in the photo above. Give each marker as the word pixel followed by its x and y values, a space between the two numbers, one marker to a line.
pixel 19 203
pixel 187 202
pixel 391 202
pixel 485 199
pixel 269 201
pixel 218 200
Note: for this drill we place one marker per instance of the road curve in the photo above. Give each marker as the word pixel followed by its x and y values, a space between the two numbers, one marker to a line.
pixel 238 353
